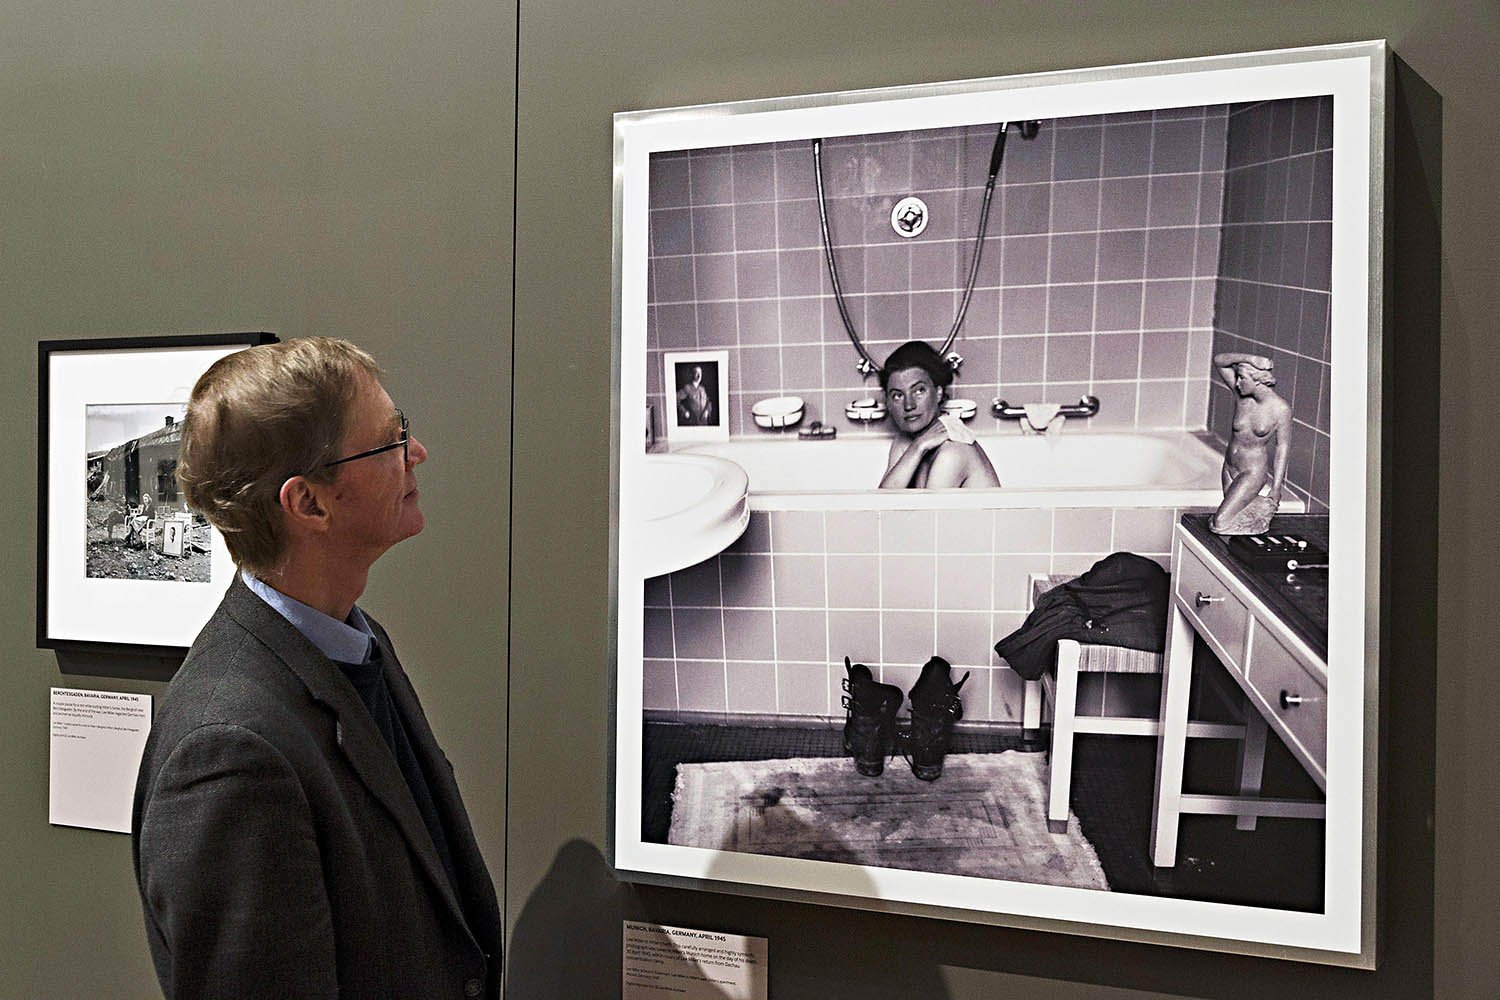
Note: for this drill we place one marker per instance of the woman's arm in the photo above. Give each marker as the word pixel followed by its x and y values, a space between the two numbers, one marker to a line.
pixel 963 465
pixel 903 467
pixel 1226 361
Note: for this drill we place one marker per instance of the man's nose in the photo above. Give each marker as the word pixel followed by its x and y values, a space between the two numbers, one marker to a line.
pixel 416 454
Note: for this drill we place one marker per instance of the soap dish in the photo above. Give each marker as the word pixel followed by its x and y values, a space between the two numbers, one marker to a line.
pixel 774 414
pixel 963 409
pixel 816 431
pixel 865 411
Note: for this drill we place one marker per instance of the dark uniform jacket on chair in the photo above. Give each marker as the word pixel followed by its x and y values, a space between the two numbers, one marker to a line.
pixel 277 846
pixel 1119 601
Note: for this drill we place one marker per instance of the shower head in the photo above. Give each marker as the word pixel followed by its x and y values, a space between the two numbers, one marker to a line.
pixel 1028 130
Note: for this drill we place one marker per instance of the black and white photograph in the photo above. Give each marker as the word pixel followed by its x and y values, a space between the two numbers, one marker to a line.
pixel 699 381
pixel 122 564
pixel 695 395
pixel 1007 593
pixel 138 525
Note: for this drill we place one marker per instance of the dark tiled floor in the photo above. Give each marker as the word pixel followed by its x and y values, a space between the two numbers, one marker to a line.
pixel 1280 864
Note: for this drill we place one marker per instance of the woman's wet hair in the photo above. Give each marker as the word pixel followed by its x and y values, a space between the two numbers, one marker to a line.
pixel 918 354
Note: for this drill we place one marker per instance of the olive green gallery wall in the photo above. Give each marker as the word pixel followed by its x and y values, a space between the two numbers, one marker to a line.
pixel 328 169
pixel 303 168
pixel 579 63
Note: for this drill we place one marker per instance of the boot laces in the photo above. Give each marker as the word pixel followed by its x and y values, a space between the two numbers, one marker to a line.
pixel 929 727
pixel 881 725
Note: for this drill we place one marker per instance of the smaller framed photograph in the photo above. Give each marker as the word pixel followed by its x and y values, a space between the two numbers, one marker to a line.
pixel 171 539
pixel 122 565
pixel 698 395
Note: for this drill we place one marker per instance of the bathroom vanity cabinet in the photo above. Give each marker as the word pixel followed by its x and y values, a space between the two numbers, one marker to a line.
pixel 1269 628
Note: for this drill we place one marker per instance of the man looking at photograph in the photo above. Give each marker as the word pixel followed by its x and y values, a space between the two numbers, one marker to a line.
pixel 297 830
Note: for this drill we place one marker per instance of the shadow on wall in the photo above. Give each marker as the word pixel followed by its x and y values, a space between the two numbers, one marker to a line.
pixel 122 666
pixel 568 940
pixel 865 965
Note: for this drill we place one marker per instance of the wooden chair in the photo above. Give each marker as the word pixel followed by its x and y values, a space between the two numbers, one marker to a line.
pixel 1060 690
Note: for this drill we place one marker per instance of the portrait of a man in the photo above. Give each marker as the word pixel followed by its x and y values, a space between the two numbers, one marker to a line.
pixel 697 387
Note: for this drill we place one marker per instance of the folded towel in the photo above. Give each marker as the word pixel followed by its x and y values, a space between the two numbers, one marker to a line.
pixel 956 429
pixel 1041 414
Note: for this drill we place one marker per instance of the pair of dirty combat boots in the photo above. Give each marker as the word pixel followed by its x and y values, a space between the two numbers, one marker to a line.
pixel 870 732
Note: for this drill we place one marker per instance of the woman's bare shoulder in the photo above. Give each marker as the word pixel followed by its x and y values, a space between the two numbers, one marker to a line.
pixel 954 463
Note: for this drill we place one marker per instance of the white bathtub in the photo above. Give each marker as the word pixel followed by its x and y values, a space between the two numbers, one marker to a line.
pixel 1073 469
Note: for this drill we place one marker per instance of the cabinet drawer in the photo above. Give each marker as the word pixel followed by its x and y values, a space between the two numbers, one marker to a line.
pixel 1199 590
pixel 1273 670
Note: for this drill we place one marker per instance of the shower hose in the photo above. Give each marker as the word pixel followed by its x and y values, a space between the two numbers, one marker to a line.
pixel 867 364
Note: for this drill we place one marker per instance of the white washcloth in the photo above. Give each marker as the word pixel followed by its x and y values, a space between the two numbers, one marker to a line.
pixel 956 429
pixel 1041 414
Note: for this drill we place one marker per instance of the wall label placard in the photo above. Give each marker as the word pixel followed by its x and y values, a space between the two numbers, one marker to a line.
pixel 97 738
pixel 686 964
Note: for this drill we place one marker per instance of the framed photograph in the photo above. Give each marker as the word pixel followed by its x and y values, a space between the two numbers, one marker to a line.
pixel 171 538
pixel 819 710
pixel 122 564
pixel 697 405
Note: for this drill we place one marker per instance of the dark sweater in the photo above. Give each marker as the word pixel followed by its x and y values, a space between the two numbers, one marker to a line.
pixel 368 679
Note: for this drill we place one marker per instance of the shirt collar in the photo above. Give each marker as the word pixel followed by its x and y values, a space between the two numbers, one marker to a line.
pixel 343 642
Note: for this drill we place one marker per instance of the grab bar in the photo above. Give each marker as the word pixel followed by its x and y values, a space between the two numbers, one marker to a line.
pixel 1086 406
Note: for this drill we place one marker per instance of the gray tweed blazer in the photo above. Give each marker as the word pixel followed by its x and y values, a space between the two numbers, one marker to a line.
pixel 278 850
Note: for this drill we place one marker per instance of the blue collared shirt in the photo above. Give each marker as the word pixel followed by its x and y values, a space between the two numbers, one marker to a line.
pixel 351 642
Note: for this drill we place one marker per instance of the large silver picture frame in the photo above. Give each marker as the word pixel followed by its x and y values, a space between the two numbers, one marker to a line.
pixel 1352 78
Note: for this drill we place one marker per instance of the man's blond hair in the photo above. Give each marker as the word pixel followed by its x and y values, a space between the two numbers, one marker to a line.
pixel 257 418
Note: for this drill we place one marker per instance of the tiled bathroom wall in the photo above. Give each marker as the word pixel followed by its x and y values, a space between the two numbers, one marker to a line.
pixel 1274 270
pixel 763 628
pixel 1123 252
pixel 1097 274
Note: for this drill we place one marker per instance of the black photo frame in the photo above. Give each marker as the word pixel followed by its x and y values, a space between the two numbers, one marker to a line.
pixel 136 603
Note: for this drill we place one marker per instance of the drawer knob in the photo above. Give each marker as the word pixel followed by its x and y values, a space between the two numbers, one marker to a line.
pixel 1289 700
pixel 1200 599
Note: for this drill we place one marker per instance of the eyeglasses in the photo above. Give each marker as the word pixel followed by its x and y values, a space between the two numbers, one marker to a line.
pixel 405 436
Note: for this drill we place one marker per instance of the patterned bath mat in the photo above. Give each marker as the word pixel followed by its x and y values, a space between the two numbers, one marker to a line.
pixel 985 817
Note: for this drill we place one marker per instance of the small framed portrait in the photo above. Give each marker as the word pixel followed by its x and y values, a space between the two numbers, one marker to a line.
pixel 116 543
pixel 171 539
pixel 697 384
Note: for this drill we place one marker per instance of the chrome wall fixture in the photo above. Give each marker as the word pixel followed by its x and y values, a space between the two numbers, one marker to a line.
pixel 909 217
pixel 1087 406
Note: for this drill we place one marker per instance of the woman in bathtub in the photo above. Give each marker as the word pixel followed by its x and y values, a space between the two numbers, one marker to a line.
pixel 930 450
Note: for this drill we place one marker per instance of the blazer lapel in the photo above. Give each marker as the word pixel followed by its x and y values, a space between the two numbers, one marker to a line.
pixel 440 782
pixel 354 729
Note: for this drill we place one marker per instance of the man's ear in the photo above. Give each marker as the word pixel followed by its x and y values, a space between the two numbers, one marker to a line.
pixel 303 505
